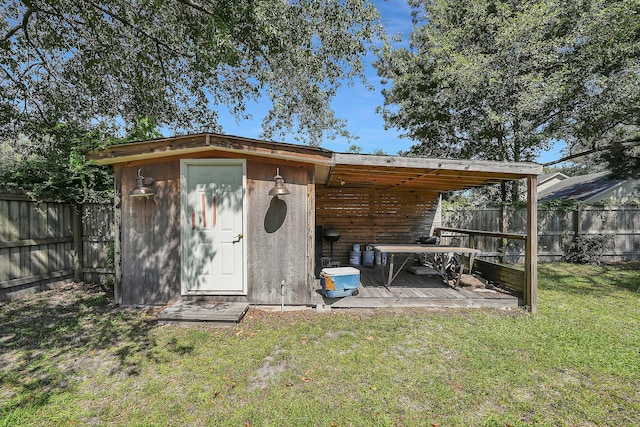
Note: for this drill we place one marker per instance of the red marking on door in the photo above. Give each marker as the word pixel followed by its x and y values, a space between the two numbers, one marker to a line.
pixel 215 211
pixel 204 212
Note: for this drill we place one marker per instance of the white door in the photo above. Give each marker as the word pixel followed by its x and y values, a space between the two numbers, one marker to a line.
pixel 213 243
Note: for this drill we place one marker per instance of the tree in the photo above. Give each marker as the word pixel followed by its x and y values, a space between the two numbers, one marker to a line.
pixel 355 149
pixel 501 80
pixel 624 159
pixel 621 158
pixel 113 61
pixel 54 166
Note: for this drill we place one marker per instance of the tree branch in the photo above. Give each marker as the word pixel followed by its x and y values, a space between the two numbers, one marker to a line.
pixel 197 7
pixel 137 29
pixel 632 142
pixel 23 25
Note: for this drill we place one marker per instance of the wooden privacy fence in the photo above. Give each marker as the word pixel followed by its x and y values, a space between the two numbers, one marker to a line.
pixel 44 244
pixel 97 243
pixel 557 228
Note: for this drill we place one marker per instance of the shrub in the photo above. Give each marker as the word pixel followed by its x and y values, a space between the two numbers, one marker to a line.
pixel 587 250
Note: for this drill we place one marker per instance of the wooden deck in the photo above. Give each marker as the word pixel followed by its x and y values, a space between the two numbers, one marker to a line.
pixel 411 290
pixel 408 290
pixel 214 314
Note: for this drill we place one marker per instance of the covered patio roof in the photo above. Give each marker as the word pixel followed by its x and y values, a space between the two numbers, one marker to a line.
pixel 356 170
pixel 332 169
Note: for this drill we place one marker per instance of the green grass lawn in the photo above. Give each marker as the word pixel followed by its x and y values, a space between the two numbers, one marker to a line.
pixel 69 357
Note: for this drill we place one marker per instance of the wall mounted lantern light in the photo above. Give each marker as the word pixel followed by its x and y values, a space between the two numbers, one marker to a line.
pixel 278 189
pixel 143 186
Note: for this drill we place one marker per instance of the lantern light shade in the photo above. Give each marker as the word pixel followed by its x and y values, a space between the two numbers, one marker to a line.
pixel 143 186
pixel 278 189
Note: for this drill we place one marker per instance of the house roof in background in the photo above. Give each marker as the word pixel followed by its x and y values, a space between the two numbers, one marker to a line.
pixel 346 170
pixel 580 188
pixel 549 176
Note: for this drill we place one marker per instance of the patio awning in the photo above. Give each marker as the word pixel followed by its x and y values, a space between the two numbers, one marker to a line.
pixel 356 170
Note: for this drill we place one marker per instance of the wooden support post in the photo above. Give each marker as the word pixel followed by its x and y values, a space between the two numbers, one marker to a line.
pixel 78 250
pixel 531 246
pixel 117 248
pixel 472 245
pixel 312 236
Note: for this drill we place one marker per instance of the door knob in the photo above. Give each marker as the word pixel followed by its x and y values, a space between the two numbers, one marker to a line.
pixel 238 238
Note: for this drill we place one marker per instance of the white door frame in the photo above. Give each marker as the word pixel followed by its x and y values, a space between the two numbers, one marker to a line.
pixel 184 220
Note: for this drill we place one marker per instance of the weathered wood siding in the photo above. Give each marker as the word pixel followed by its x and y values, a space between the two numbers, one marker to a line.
pixel 556 230
pixel 36 245
pixel 149 252
pixel 276 235
pixel 373 215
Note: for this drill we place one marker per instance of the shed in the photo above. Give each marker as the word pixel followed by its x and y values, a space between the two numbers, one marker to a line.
pixel 213 231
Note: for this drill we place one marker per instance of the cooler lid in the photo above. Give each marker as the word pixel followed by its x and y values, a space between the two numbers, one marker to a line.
pixel 341 271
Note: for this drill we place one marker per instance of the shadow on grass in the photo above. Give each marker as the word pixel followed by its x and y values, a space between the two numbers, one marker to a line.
pixel 599 280
pixel 47 337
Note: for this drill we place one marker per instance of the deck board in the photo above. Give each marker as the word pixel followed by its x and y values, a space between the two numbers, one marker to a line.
pixel 218 313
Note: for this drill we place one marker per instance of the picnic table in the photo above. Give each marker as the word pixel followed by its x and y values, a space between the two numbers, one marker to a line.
pixel 441 252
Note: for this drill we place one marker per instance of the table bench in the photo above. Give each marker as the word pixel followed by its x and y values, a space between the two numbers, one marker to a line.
pixel 413 249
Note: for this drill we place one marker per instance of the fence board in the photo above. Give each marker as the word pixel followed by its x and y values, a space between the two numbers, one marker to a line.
pixel 556 230
pixel 4 220
pixel 97 242
pixel 14 221
pixel 37 244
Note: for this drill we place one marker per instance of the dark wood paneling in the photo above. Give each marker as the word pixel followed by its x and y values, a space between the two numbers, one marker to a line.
pixel 373 215
pixel 501 274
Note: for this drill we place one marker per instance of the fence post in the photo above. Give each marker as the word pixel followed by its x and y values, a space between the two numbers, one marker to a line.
pixel 78 261
pixel 578 222
pixel 504 227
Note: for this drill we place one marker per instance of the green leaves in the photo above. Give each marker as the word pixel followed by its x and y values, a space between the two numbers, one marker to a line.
pixel 501 80
pixel 79 74
pixel 180 61
pixel 54 167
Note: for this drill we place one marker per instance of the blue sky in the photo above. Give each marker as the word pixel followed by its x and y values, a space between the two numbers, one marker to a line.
pixel 356 104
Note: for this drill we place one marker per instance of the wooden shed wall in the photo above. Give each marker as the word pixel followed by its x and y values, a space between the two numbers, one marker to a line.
pixel 373 215
pixel 277 235
pixel 280 248
pixel 150 236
